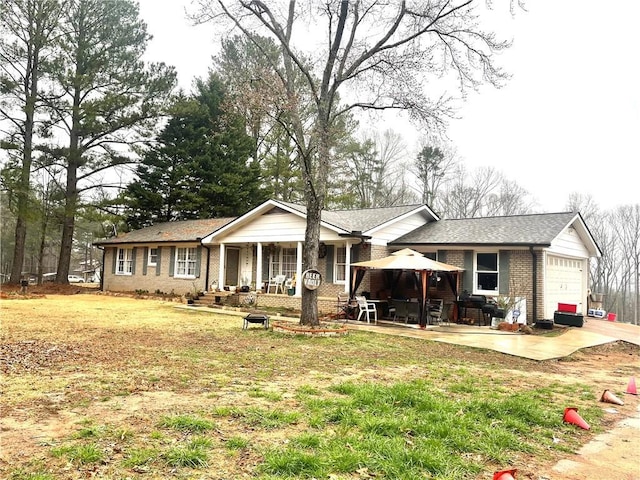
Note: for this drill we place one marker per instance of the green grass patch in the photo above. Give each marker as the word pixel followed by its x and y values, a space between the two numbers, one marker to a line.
pixel 186 423
pixel 138 457
pixel 269 395
pixel 193 455
pixel 21 474
pixel 267 419
pixel 236 443
pixel 409 430
pixel 82 454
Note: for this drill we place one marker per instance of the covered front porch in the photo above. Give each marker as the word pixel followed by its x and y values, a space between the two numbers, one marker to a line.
pixel 273 268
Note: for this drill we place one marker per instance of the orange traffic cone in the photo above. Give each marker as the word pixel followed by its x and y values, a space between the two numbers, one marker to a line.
pixel 631 388
pixel 609 397
pixel 505 475
pixel 571 416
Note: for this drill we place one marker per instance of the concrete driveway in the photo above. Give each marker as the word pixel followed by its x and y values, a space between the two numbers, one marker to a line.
pixel 535 347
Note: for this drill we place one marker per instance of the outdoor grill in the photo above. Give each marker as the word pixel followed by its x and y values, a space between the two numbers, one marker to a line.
pixel 489 309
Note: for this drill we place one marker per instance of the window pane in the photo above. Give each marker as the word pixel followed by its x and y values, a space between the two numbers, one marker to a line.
pixel 289 256
pixel 487 262
pixel 340 264
pixel 488 281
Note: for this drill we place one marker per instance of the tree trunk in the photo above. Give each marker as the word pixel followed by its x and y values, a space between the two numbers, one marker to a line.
pixel 315 192
pixel 71 193
pixel 25 174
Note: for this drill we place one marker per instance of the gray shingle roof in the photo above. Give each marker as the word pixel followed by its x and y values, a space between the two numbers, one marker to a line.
pixel 363 219
pixel 182 231
pixel 538 229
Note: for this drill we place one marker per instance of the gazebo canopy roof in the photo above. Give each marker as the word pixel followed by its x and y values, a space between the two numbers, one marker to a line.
pixel 407 259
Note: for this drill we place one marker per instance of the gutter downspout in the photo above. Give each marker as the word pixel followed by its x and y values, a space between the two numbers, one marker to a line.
pixel 206 275
pixel 534 257
pixel 102 269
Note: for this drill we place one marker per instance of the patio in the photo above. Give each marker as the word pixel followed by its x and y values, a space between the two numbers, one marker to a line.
pixel 535 347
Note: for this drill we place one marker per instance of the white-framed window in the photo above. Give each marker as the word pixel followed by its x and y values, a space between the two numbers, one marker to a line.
pixel 186 259
pixel 486 272
pixel 289 258
pixel 152 260
pixel 124 264
pixel 340 265
pixel 283 262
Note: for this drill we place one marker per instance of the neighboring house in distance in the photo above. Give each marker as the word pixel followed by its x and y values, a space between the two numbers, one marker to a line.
pixel 545 256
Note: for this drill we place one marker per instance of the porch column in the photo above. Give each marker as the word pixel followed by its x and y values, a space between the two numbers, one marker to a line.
pixel 299 270
pixel 221 268
pixel 259 266
pixel 347 267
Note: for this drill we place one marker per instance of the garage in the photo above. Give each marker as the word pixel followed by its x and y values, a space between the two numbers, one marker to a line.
pixel 564 283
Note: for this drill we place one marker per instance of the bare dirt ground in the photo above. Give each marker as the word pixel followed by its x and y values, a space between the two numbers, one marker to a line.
pixel 65 356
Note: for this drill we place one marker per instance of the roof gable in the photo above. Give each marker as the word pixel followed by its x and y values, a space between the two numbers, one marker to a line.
pixel 339 221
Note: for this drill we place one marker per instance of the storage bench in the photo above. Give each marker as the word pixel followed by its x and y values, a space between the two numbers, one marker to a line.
pixel 566 318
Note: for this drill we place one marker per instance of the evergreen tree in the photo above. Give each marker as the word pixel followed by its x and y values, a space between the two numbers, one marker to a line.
pixel 201 166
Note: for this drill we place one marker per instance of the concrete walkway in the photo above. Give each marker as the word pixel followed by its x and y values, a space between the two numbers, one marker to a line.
pixel 535 347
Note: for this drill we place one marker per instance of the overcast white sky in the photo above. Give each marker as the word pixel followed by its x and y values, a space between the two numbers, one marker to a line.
pixel 567 121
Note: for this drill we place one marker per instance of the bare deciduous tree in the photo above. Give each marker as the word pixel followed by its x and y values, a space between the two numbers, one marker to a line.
pixel 363 54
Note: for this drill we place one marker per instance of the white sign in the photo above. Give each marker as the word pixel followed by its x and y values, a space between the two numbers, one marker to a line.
pixel 311 279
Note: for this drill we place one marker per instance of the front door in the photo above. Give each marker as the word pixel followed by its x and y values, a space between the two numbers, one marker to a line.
pixel 232 266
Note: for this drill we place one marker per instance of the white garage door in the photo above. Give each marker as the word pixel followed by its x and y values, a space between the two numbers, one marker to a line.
pixel 564 278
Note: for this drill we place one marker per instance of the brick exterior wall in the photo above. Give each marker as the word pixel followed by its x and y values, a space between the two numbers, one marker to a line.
pixel 151 282
pixel 520 277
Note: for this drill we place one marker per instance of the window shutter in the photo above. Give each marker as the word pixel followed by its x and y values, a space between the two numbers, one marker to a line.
pixel 172 261
pixel 198 260
pixel 442 256
pixel 265 267
pixel 114 260
pixel 329 257
pixel 503 272
pixel 145 260
pixel 133 260
pixel 159 261
pixel 467 279
pixel 355 253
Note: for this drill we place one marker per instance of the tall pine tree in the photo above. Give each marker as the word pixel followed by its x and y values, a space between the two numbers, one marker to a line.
pixel 201 167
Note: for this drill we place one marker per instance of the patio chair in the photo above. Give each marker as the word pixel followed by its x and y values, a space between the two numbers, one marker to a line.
pixel 342 305
pixel 413 311
pixel 436 306
pixel 400 309
pixel 277 283
pixel 366 309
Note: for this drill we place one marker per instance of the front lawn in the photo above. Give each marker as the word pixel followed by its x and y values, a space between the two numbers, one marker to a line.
pixel 115 387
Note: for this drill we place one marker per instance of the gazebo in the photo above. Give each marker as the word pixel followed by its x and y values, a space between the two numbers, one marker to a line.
pixel 408 260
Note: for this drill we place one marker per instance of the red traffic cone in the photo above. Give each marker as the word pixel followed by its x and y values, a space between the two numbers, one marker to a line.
pixel 505 475
pixel 609 397
pixel 571 416
pixel 631 388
